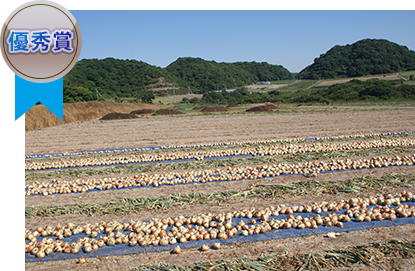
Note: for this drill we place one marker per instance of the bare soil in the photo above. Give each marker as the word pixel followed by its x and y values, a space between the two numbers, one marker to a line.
pixel 172 130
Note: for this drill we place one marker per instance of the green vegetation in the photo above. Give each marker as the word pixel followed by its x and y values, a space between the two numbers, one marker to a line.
pixel 355 90
pixel 368 56
pixel 206 75
pixel 300 85
pixel 72 94
pixel 281 82
pixel 116 78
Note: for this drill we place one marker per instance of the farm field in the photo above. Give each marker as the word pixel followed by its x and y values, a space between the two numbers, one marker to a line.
pixel 276 189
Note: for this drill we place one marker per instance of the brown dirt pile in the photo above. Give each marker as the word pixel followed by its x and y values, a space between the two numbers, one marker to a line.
pixel 262 108
pixel 198 107
pixel 142 111
pixel 118 116
pixel 168 112
pixel 214 109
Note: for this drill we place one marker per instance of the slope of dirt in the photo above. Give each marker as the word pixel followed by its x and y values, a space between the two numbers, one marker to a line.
pixel 39 117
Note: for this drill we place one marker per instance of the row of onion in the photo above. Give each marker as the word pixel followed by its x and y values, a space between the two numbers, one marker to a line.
pixel 229 174
pixel 286 140
pixel 210 226
pixel 314 147
pixel 202 145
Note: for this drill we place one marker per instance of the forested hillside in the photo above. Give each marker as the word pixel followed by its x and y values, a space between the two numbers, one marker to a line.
pixel 113 77
pixel 368 56
pixel 131 78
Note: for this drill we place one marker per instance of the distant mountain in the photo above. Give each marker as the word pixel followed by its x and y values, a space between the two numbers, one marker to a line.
pixel 368 56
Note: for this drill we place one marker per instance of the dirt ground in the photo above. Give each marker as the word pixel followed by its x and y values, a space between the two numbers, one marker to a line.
pixel 167 130
pixel 171 130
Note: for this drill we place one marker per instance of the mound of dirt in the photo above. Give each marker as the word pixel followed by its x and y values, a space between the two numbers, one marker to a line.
pixel 270 105
pixel 197 107
pixel 214 109
pixel 168 112
pixel 118 116
pixel 142 111
pixel 262 108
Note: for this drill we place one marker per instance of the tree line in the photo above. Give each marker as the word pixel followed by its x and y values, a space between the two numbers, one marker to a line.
pixel 355 90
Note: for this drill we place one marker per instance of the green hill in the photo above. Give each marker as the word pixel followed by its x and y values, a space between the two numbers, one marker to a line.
pixel 368 56
pixel 114 77
pixel 209 75
pixel 132 78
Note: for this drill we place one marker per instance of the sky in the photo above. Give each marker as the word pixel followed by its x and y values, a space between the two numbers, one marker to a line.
pixel 291 38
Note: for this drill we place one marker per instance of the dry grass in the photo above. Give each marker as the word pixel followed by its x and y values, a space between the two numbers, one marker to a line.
pixel 129 205
pixel 373 256
pixel 39 116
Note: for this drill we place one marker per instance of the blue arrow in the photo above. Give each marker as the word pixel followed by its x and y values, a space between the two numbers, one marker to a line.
pixel 27 94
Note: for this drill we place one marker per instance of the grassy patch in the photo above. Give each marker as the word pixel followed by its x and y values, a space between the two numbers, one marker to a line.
pixel 282 82
pixel 300 85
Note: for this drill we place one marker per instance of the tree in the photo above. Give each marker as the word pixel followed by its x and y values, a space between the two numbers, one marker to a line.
pixel 147 96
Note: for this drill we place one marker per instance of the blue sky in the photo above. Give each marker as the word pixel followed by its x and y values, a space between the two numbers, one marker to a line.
pixel 288 38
